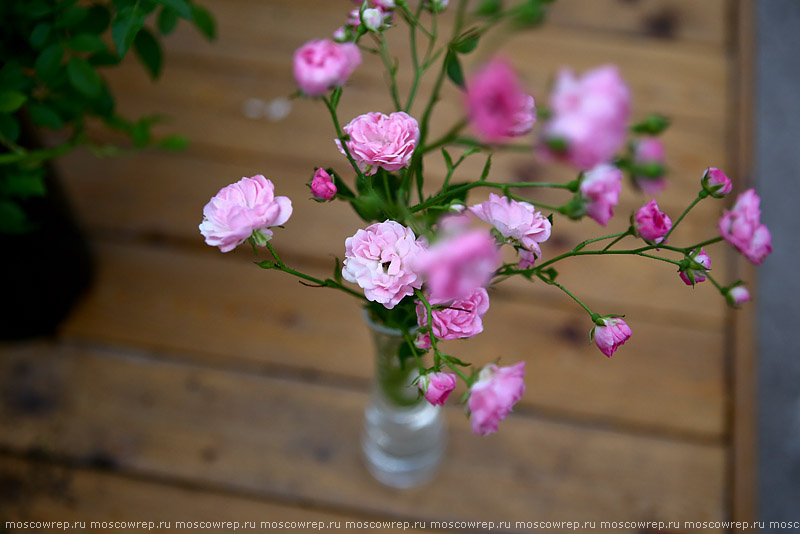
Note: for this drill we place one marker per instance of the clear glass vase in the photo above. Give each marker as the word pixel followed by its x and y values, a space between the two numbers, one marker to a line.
pixel 404 435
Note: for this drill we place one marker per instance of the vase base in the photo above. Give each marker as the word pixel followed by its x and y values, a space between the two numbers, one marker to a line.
pixel 403 448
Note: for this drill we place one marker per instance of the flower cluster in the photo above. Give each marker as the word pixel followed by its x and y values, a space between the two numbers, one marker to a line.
pixel 426 266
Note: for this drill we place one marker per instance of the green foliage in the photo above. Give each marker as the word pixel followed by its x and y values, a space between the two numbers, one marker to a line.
pixel 53 53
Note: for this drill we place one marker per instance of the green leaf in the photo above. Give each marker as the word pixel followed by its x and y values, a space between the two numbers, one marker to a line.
pixel 49 61
pixel 97 20
pixel 653 124
pixel 467 43
pixel 12 219
pixel 204 21
pixel 83 78
pixel 104 59
pixel 140 133
pixel 447 159
pixel 23 184
pixel 173 142
pixel 181 7
pixel 343 191
pixel 453 67
pixel 149 52
pixel 486 168
pixel 125 27
pixel 489 7
pixel 72 16
pixel 550 274
pixel 9 127
pixel 86 42
pixel 44 116
pixel 337 271
pixel 11 101
pixel 39 35
pixel 167 20
pixel 529 14
pixel 336 96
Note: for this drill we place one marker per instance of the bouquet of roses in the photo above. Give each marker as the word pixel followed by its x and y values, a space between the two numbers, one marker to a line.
pixel 424 261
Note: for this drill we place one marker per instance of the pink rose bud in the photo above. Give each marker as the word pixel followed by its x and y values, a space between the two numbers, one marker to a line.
pixel 611 335
pixel 497 105
pixel 648 161
pixel 380 260
pixel 741 227
pixel 378 140
pixel 322 185
pixel 692 275
pixel 493 395
pixel 651 223
pixel 527 259
pixel 372 18
pixel 384 4
pixel 436 6
pixel 322 64
pixel 589 116
pixel 716 182
pixel 519 222
pixel 437 387
pixel 737 295
pixel 458 265
pixel 600 190
pixel 243 210
pixel 340 35
pixel 463 318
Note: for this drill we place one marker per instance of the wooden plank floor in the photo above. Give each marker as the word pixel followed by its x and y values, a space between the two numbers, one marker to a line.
pixel 192 386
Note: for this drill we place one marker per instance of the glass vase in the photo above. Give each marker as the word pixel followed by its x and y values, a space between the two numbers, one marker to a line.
pixel 404 436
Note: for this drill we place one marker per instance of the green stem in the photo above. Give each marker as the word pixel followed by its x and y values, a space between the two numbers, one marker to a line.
pixel 341 136
pixel 619 238
pixel 706 242
pixel 441 197
pixel 700 197
pixel 568 292
pixel 390 68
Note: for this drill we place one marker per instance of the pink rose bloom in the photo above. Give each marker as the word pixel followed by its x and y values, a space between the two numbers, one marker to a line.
pixel 456 266
pixel 741 227
pixel 647 152
pixel 612 336
pixel 600 190
pixel 497 104
pixel 378 140
pixel 716 182
pixel 517 221
pixel 463 318
pixel 590 114
pixel 527 259
pixel 737 295
pixel 437 387
pixel 651 223
pixel 380 260
pixel 322 64
pixel 691 276
pixel 322 185
pixel 493 395
pixel 248 207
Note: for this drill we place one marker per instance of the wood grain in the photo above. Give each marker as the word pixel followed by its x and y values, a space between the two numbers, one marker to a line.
pixel 241 432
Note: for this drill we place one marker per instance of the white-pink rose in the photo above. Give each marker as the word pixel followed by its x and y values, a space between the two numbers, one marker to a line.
pixel 243 209
pixel 462 318
pixel 493 395
pixel 589 115
pixel 322 64
pixel 741 227
pixel 381 259
pixel 692 276
pixel 516 221
pixel 600 190
pixel 737 295
pixel 436 387
pixel 378 140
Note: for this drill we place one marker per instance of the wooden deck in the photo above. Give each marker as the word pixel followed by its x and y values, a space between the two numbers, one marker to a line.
pixel 192 386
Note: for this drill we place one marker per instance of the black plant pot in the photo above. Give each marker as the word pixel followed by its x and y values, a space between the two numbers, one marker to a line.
pixel 44 272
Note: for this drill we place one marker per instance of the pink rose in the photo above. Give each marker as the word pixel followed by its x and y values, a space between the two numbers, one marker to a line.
pixel 648 154
pixel 497 104
pixel 322 185
pixel 737 295
pixel 374 16
pixel 463 318
pixel 458 265
pixel 516 221
pixel 651 223
pixel 378 140
pixel 322 64
pixel 493 395
pixel 741 227
pixel 612 335
pixel 247 208
pixel 692 276
pixel 716 182
pixel 600 189
pixel 590 115
pixel 437 387
pixel 380 260
pixel 527 259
